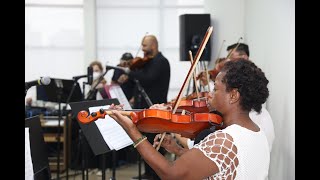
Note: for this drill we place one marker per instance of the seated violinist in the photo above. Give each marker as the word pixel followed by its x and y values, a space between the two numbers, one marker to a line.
pixel 121 78
pixel 97 73
pixel 222 154
pixel 263 119
pixel 241 52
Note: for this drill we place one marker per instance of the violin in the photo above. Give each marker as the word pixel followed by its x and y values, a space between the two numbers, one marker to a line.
pixel 159 121
pixel 138 62
pixel 133 64
pixel 214 72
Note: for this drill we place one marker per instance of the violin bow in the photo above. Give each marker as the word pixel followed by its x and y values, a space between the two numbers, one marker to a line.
pixel 187 79
pixel 206 71
pixel 192 68
pixel 220 48
pixel 234 49
pixel 194 75
pixel 207 75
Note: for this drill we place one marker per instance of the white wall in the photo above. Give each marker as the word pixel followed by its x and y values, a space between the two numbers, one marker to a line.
pixel 90 35
pixel 269 28
pixel 53 41
pixel 227 19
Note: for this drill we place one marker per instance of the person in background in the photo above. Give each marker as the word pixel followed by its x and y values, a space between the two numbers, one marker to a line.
pixel 97 73
pixel 121 78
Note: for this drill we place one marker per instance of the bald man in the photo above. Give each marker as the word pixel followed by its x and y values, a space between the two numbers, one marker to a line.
pixel 154 77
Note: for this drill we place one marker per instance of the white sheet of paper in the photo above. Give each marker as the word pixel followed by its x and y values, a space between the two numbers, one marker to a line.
pixel 28 160
pixel 116 92
pixel 113 134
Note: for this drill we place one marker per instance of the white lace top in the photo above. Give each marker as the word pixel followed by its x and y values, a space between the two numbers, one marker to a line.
pixel 238 152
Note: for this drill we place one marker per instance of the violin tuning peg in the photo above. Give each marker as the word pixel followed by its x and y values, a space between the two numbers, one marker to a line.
pixel 93 114
pixel 101 111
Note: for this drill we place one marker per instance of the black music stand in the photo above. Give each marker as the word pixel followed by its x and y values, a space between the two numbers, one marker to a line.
pixel 142 93
pixel 60 91
pixel 38 149
pixel 92 134
pixel 49 92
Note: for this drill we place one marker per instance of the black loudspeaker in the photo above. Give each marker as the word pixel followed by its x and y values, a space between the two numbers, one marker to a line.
pixel 193 27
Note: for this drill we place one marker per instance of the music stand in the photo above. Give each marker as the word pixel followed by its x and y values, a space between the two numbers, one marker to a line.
pixel 38 149
pixel 59 90
pixel 91 131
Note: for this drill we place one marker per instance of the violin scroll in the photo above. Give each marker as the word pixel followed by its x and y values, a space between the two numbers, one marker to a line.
pixel 85 118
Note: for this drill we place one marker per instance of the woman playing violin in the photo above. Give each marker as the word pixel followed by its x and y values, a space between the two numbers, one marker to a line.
pixel 263 119
pixel 230 153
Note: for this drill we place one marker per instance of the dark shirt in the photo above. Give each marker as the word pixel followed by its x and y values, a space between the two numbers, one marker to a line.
pixel 154 77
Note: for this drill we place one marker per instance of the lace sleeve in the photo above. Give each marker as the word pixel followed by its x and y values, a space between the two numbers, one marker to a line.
pixel 219 147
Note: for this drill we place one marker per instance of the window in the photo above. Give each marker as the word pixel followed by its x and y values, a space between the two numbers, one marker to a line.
pixel 54 39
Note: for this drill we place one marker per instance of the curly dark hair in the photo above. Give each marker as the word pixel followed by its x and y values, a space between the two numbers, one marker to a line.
pixel 250 82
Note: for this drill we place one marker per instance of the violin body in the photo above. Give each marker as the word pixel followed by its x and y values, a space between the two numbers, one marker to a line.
pixel 159 121
pixel 138 62
pixel 193 105
pixel 201 95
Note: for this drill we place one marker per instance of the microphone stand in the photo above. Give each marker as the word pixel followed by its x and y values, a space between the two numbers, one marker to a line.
pixel 149 102
pixel 75 80
pixel 143 92
pixel 84 154
pixel 59 95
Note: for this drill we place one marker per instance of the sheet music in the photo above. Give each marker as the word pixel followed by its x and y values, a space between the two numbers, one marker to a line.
pixel 28 160
pixel 115 91
pixel 113 134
